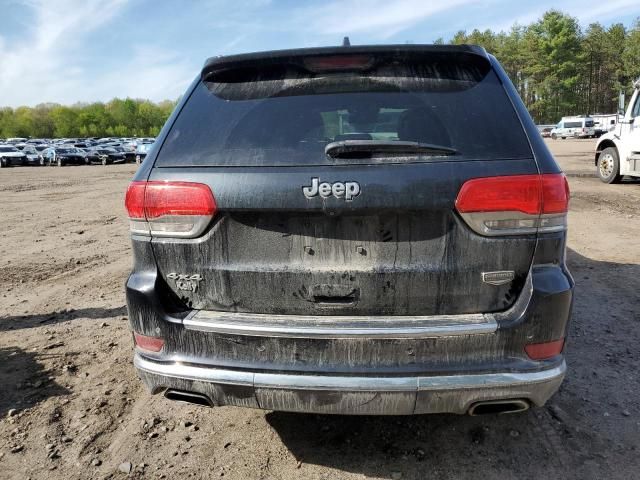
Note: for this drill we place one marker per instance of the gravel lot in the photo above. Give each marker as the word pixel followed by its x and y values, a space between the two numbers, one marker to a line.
pixel 72 407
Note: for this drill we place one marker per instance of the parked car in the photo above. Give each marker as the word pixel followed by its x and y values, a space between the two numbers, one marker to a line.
pixel 11 156
pixel 33 156
pixel 280 266
pixel 545 130
pixel 141 151
pixel 577 127
pixel 41 147
pixel 105 156
pixel 63 155
pixel 618 152
pixel 129 155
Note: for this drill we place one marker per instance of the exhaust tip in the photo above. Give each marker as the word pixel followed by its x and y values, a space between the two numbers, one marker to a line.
pixel 188 397
pixel 498 407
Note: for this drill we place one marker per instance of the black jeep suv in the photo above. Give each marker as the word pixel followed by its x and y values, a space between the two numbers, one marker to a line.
pixel 359 230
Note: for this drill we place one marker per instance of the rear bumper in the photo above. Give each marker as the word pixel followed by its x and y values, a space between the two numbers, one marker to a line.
pixel 353 395
pixel 351 365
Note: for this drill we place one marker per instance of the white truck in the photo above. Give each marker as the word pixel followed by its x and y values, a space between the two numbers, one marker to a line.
pixel 574 127
pixel 618 152
pixel 603 123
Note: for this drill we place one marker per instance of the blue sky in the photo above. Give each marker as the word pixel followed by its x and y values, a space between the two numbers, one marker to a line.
pixel 68 51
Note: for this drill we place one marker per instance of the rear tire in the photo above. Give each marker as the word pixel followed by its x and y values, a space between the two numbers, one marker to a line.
pixel 609 166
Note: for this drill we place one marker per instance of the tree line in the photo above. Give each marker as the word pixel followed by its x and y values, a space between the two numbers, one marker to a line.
pixel 117 118
pixel 558 68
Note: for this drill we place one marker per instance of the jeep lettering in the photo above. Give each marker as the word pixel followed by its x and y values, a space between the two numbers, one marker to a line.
pixel 346 190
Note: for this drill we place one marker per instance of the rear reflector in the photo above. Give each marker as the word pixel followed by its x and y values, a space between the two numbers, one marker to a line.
pixel 169 209
pixel 151 344
pixel 542 351
pixel 515 205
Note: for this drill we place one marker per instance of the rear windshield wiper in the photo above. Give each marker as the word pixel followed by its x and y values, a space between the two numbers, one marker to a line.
pixel 365 148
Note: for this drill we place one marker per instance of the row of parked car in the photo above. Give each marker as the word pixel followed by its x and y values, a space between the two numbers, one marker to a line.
pixel 72 151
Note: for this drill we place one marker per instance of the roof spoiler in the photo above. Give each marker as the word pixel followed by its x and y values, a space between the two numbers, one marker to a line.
pixel 294 56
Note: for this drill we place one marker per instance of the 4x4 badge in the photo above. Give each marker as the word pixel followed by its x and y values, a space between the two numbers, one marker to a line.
pixel 185 282
pixel 346 190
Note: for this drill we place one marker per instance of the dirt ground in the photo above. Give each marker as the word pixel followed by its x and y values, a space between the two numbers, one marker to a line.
pixel 72 407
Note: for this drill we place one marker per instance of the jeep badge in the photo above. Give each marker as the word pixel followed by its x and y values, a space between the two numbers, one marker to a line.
pixel 346 190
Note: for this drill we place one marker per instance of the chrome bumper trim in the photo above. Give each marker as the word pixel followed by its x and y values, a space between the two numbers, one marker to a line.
pixel 326 382
pixel 334 326
pixel 350 394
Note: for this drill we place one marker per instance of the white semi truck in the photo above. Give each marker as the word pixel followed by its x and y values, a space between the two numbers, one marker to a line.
pixel 618 152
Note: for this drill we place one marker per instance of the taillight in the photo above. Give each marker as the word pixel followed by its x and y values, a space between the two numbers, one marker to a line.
pixel 169 209
pixel 515 205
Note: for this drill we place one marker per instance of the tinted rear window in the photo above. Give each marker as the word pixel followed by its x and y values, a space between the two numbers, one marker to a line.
pixel 287 117
pixel 572 124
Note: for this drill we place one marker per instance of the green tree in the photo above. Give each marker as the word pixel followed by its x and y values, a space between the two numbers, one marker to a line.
pixel 631 54
pixel 118 117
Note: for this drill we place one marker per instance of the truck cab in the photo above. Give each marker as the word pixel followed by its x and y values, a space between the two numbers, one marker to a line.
pixel 618 152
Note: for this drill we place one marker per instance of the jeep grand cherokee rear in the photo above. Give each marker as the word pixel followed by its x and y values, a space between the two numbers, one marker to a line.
pixel 359 230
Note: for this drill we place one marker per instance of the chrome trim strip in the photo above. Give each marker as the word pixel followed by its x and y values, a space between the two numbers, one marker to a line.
pixel 191 372
pixel 490 380
pixel 280 381
pixel 334 326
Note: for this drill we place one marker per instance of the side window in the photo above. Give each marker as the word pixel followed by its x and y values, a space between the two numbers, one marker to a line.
pixel 636 108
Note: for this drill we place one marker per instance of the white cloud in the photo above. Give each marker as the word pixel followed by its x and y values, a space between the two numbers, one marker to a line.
pixel 48 62
pixel 380 19
pixel 40 66
pixel 598 11
pixel 151 73
pixel 54 56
